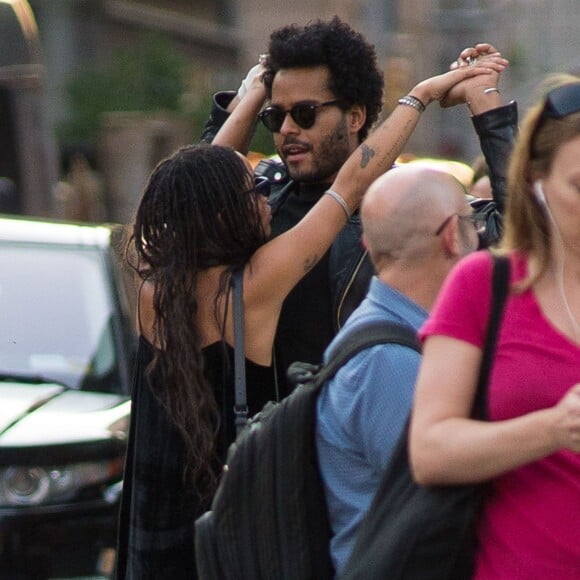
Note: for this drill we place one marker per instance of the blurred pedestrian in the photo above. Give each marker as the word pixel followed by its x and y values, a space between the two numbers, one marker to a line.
pixel 529 451
pixel 362 410
pixel 79 194
pixel 480 184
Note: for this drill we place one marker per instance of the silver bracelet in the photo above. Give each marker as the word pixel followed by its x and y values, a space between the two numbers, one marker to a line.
pixel 411 101
pixel 338 198
pixel 485 92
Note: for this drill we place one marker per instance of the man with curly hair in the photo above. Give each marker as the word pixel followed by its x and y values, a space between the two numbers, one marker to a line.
pixel 325 75
pixel 331 59
pixel 324 93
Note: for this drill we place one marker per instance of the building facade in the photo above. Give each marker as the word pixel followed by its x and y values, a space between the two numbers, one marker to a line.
pixel 414 39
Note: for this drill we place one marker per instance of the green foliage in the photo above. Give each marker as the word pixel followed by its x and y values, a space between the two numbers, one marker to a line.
pixel 148 75
pixel 516 54
pixel 262 141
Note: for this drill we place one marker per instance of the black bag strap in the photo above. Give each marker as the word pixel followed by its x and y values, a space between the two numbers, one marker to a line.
pixel 364 337
pixel 499 288
pixel 240 404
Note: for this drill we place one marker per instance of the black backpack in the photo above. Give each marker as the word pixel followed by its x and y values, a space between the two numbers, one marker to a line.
pixel 268 518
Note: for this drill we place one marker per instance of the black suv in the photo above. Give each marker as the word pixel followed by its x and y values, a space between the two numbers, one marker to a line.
pixel 66 353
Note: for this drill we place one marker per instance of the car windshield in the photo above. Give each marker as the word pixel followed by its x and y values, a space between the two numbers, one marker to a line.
pixel 56 315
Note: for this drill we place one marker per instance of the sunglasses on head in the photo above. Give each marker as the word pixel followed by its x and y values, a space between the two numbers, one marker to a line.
pixel 561 102
pixel 303 114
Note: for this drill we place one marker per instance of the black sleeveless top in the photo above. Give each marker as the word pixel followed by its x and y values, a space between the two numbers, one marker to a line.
pixel 158 508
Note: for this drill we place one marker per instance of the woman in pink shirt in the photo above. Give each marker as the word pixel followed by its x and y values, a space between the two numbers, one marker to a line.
pixel 530 447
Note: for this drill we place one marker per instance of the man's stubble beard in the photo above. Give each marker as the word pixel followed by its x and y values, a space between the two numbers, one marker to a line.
pixel 333 151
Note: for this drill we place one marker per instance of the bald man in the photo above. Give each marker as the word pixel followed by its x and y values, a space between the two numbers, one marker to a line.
pixel 417 224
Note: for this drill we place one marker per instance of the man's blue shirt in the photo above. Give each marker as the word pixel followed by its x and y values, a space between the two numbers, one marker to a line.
pixel 361 413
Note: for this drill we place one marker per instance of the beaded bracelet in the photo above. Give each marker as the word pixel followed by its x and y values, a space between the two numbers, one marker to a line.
pixel 340 200
pixel 411 101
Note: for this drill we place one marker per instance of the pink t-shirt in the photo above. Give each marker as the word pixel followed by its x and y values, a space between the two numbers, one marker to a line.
pixel 531 523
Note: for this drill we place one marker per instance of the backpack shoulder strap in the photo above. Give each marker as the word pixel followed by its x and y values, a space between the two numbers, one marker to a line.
pixel 366 336
pixel 240 399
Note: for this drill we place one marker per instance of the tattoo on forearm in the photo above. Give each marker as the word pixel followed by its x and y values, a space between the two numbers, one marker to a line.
pixel 310 262
pixel 367 154
pixel 399 143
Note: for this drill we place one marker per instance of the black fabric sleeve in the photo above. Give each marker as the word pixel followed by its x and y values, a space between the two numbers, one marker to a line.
pixel 497 130
pixel 218 115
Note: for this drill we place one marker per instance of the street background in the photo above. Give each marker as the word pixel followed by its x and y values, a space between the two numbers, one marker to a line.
pixel 127 81
pixel 94 93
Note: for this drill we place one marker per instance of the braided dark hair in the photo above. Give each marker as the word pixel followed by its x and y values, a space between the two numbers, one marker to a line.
pixel 197 211
pixel 352 61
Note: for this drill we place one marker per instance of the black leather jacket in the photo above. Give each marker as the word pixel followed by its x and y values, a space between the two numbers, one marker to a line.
pixel 350 268
pixel 497 131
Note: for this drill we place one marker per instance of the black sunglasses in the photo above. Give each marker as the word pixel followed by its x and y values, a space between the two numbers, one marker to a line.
pixel 303 114
pixel 561 102
pixel 262 186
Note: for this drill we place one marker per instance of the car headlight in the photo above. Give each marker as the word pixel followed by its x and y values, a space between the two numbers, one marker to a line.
pixel 31 485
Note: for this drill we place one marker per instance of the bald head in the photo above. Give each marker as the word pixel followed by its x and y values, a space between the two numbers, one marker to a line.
pixel 402 209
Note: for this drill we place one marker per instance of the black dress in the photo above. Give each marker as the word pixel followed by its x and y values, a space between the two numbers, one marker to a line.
pixel 158 508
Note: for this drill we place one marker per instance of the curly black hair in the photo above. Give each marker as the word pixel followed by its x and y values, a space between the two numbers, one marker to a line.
pixel 352 61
